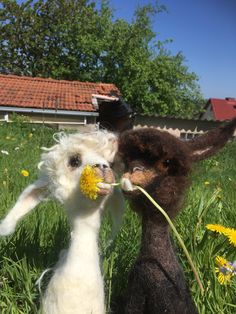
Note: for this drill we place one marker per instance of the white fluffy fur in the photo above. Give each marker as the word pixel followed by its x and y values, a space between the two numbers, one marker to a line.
pixel 76 285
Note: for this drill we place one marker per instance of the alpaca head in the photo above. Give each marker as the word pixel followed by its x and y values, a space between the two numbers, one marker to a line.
pixel 160 163
pixel 61 166
pixel 60 170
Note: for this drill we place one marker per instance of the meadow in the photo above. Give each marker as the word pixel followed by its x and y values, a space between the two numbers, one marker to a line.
pixel 39 237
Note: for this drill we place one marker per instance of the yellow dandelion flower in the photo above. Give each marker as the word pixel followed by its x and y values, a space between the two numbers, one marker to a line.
pixel 206 182
pixel 25 173
pixel 216 228
pixel 220 261
pixel 224 271
pixel 88 182
pixel 231 235
pixel 30 135
pixel 223 278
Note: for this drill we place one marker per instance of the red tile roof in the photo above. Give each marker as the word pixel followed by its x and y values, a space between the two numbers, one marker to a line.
pixel 41 93
pixel 223 109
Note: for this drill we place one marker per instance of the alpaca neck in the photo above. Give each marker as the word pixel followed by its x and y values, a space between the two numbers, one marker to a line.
pixel 156 242
pixel 83 251
pixel 77 276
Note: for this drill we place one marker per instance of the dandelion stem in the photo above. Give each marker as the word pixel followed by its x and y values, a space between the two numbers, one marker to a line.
pixel 177 236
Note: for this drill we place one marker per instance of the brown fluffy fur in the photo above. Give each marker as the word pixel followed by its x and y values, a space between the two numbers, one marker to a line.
pixel 160 163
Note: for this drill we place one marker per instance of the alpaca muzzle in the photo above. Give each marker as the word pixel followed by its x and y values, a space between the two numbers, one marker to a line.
pixel 107 176
pixel 138 177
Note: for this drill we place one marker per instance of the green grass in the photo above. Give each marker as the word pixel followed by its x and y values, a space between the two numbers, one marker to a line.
pixel 39 238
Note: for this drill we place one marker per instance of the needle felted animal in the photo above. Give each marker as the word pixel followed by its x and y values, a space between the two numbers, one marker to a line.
pixel 76 286
pixel 160 163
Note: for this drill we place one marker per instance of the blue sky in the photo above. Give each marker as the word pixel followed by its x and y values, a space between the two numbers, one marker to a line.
pixel 205 31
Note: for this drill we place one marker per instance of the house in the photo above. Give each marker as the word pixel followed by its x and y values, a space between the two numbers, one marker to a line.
pixel 64 104
pixel 82 105
pixel 220 109
pixel 216 111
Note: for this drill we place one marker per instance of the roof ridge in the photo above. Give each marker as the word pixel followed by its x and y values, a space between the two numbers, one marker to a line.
pixel 52 80
pixel 37 92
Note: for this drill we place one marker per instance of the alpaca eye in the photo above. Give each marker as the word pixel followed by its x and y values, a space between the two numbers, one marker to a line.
pixel 166 163
pixel 74 161
pixel 140 168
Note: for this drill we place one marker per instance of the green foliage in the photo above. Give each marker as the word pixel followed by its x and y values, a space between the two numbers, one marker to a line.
pixel 79 40
pixel 41 235
pixel 59 39
pixel 211 203
pixel 19 119
pixel 172 88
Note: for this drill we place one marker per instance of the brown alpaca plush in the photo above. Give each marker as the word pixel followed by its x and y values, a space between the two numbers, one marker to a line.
pixel 160 163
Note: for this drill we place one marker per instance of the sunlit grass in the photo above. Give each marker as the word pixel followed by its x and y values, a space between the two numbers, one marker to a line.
pixel 41 236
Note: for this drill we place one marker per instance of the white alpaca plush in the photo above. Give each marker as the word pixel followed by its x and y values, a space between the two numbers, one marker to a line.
pixel 76 285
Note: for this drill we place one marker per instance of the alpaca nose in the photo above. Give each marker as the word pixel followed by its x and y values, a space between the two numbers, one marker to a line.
pixel 101 166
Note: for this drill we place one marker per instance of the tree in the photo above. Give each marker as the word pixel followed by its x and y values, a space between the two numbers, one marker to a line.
pixel 172 88
pixel 58 38
pixel 77 40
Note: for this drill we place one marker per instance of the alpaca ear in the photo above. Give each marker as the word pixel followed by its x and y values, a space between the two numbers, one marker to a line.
pixel 210 143
pixel 28 199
